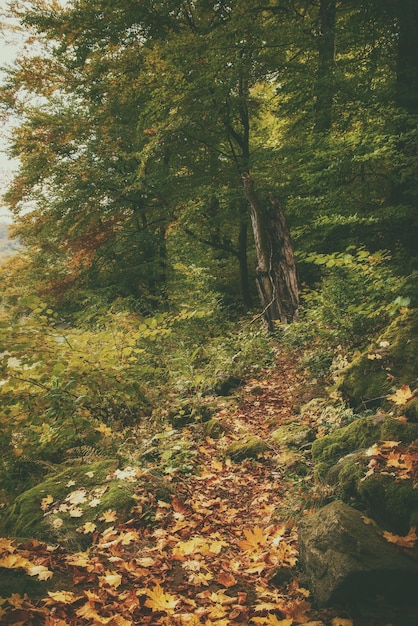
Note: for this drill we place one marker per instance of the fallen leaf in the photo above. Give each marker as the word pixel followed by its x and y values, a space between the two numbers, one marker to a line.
pixel 113 579
pixel 226 580
pixel 46 502
pixel 40 571
pixel 109 516
pixel 158 600
pixel 401 396
pixel 408 541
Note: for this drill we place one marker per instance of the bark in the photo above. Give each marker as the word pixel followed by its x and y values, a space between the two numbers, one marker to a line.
pixel 243 265
pixel 276 271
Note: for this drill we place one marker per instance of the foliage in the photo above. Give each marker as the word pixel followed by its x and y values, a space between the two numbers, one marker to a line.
pixel 355 300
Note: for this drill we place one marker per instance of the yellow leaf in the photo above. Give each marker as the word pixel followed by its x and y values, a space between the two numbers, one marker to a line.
pixel 75 512
pixel 113 579
pixel 104 430
pixel 89 527
pixel 40 571
pixel 255 540
pixel 401 396
pixel 14 561
pixel 160 601
pixel 45 502
pixel 66 597
pixel 108 516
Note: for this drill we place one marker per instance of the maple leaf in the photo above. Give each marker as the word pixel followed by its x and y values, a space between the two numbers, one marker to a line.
pixel 255 540
pixel 401 396
pixel 40 571
pixel 46 502
pixel 88 527
pixel 158 600
pixel 109 516
pixel 75 512
pixel 66 597
pixel 7 545
pixel 408 541
pixel 14 561
pixel 104 430
pixel 77 497
pixel 113 579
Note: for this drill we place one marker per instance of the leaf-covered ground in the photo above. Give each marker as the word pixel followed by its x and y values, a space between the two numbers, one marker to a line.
pixel 222 550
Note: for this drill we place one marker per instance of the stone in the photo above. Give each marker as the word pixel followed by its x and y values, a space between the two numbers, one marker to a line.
pixel 214 429
pixel 293 435
pixel 46 511
pixel 248 448
pixel 347 561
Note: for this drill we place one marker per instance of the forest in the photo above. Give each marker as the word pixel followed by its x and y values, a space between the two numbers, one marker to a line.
pixel 208 314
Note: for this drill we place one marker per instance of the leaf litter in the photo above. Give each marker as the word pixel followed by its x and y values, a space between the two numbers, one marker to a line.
pixel 208 557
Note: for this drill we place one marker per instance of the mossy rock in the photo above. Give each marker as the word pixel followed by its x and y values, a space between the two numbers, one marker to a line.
pixel 393 504
pixel 365 382
pixel 293 435
pixel 69 500
pixel 248 448
pixel 411 410
pixel 214 429
pixel 360 434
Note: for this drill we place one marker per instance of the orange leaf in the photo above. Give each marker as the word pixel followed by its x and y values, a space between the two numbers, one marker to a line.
pixel 226 580
pixel 405 542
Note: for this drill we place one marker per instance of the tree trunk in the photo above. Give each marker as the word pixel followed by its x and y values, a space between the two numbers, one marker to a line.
pixel 276 271
pixel 243 265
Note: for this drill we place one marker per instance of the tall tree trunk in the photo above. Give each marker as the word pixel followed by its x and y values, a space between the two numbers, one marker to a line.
pixel 276 271
pixel 325 78
pixel 243 264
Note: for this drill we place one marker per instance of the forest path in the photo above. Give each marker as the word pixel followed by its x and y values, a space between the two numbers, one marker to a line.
pixel 217 552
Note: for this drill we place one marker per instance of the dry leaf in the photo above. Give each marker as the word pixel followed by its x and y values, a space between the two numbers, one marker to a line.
pixel 408 541
pixel 158 600
pixel 401 396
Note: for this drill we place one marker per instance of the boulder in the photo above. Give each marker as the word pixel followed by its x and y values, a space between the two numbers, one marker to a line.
pixel 248 448
pixel 347 561
pixel 293 435
pixel 57 509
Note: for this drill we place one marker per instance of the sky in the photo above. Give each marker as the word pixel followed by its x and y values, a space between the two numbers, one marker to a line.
pixel 9 45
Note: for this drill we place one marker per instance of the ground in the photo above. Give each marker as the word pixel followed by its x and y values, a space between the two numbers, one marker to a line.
pixel 222 549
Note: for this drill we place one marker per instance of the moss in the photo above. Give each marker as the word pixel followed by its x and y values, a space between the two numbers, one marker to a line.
pixel 358 435
pixel 25 517
pixel 392 504
pixel 366 382
pixel 411 410
pixel 248 448
pixel 214 429
pixel 346 474
pixel 292 434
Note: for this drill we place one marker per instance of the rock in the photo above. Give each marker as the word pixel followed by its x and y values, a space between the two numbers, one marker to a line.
pixel 365 382
pixel 347 562
pixel 293 435
pixel 248 448
pixel 359 435
pixel 214 429
pixel 55 509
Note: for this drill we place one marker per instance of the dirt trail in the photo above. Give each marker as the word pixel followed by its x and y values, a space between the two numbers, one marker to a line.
pixel 216 553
